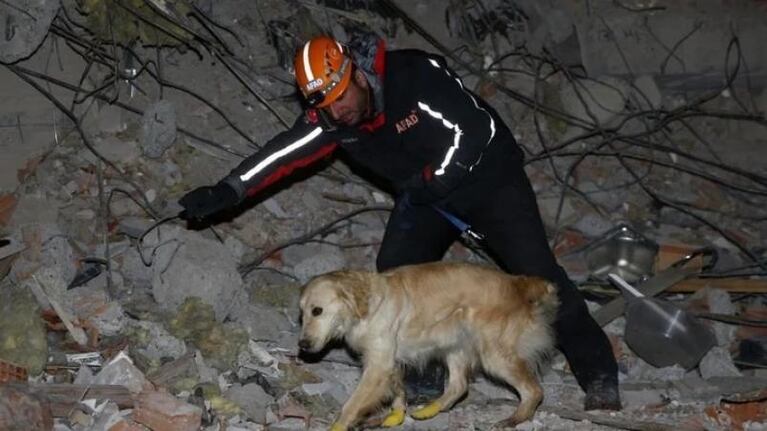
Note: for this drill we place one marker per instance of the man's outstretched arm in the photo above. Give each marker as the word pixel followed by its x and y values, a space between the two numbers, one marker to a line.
pixel 304 143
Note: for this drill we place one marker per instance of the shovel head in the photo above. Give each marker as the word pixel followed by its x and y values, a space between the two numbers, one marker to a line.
pixel 664 335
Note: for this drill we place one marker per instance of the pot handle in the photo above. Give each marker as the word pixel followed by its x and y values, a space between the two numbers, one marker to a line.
pixel 710 257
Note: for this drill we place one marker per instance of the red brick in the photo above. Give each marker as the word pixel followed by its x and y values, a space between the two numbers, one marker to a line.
pixel 161 411
pixel 20 409
pixel 7 206
pixel 733 416
pixel 127 425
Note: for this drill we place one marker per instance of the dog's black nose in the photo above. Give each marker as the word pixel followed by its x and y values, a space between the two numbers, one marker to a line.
pixel 304 344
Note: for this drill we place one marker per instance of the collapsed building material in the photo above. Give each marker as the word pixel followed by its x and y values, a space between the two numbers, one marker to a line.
pixel 162 411
pixel 23 341
pixel 22 409
pixel 65 398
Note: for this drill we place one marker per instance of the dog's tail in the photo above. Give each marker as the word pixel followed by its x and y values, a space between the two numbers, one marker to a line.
pixel 538 338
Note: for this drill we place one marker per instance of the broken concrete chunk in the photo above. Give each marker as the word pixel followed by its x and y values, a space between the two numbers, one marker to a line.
pixel 107 417
pixel 158 129
pixel 309 260
pixel 121 371
pixel 718 363
pixel 189 265
pixel 137 275
pixel 110 320
pixel 24 26
pixel 162 411
pixel 716 301
pixel 84 376
pixel 252 399
pixel 262 322
pixel 58 260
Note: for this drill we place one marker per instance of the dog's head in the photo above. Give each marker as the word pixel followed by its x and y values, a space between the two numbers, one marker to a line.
pixel 330 306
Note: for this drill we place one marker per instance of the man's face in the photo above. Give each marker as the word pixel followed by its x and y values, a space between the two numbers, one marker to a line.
pixel 352 106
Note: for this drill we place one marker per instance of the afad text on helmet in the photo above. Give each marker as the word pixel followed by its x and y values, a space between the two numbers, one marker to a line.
pixel 314 84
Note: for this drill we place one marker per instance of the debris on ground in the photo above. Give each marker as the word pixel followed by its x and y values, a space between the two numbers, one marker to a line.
pixel 643 125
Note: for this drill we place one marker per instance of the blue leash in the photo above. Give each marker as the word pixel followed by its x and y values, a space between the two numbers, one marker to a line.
pixel 460 224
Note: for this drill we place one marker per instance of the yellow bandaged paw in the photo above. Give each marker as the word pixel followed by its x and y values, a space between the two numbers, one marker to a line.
pixel 427 412
pixel 394 418
pixel 337 427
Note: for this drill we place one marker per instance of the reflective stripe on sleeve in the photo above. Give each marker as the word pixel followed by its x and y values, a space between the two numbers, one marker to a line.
pixel 454 147
pixel 283 152
pixel 456 137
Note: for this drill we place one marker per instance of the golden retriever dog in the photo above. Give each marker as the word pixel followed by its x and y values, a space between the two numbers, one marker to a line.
pixel 469 316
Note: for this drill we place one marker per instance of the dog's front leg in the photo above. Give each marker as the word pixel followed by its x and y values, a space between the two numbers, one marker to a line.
pixel 373 387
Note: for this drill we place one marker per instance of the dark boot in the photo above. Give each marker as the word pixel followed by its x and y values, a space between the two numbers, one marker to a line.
pixel 602 395
pixel 424 385
pixel 588 351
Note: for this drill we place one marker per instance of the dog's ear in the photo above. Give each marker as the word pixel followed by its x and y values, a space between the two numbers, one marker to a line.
pixel 354 290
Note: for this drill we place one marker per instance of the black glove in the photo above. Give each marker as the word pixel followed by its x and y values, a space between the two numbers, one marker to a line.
pixel 204 201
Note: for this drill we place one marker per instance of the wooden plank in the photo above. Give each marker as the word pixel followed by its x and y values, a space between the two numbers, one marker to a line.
pixel 617 420
pixel 606 418
pixel 173 370
pixel 65 397
pixel 739 285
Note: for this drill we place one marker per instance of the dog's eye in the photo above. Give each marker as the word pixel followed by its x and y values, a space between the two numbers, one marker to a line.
pixel 316 311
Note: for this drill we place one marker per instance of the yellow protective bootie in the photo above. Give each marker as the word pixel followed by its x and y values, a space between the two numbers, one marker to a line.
pixel 394 418
pixel 428 411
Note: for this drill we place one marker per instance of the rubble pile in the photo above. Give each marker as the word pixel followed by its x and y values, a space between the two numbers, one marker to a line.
pixel 117 315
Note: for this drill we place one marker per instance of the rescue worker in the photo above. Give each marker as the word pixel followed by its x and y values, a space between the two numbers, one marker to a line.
pixel 406 117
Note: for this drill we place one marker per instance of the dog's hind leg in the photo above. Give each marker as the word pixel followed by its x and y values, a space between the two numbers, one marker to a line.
pixel 397 413
pixel 517 373
pixel 458 366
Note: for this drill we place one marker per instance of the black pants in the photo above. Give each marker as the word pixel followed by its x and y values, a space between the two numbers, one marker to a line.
pixel 504 209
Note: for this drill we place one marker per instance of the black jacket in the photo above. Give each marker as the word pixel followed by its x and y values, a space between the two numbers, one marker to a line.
pixel 430 134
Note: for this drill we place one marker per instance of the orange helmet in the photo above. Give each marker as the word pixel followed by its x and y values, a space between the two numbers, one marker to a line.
pixel 323 70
